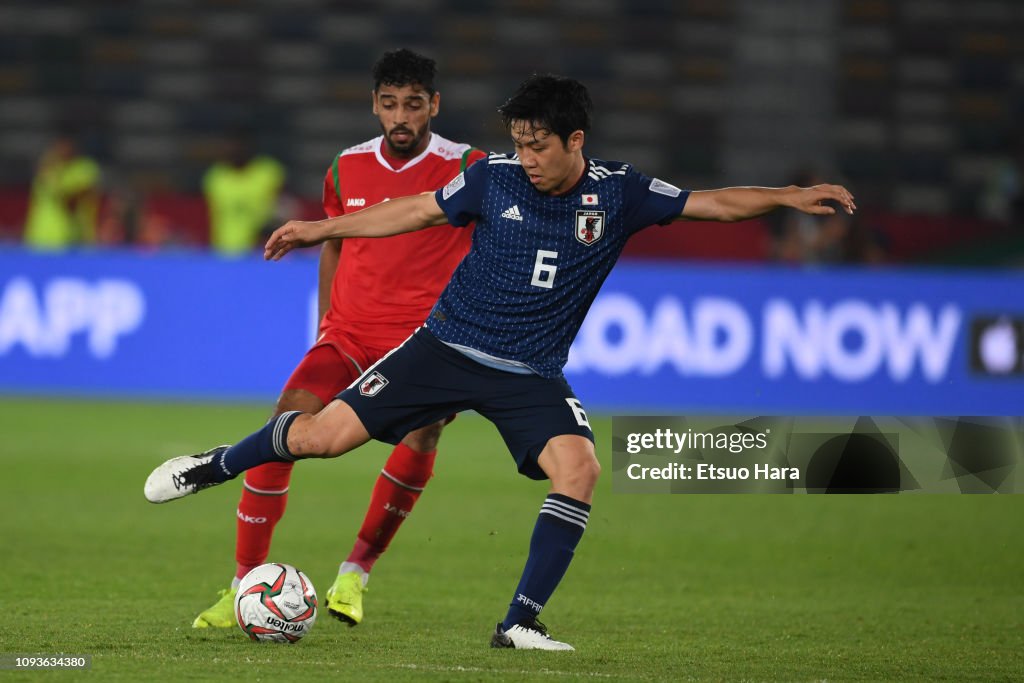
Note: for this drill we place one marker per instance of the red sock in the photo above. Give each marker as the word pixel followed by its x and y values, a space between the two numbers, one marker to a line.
pixel 399 485
pixel 264 497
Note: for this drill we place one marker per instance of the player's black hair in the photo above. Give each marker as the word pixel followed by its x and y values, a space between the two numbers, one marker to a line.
pixel 404 67
pixel 557 103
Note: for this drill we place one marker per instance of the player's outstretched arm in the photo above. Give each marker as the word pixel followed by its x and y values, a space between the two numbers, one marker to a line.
pixel 741 203
pixel 404 214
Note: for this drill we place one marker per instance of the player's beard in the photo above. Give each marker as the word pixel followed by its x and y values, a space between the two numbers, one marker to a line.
pixel 403 148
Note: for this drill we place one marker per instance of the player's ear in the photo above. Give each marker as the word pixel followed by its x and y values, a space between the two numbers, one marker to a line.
pixel 435 104
pixel 373 100
pixel 575 141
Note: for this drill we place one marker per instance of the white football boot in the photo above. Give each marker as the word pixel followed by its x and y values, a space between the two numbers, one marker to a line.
pixel 527 635
pixel 182 476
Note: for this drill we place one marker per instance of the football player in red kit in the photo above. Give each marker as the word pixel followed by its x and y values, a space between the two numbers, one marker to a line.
pixel 373 293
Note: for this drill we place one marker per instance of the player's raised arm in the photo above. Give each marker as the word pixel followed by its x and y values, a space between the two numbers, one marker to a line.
pixel 740 203
pixel 404 214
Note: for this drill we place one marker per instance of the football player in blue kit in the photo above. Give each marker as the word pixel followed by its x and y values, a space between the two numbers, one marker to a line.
pixel 550 224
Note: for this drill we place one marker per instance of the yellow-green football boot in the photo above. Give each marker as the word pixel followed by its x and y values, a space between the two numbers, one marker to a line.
pixel 345 598
pixel 221 614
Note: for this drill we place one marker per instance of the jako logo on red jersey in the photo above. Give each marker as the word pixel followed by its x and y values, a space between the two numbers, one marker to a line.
pixel 372 385
pixel 355 201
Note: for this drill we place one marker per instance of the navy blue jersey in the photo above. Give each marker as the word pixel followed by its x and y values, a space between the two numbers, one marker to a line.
pixel 537 261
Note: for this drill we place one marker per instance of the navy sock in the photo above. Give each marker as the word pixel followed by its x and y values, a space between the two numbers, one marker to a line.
pixel 270 444
pixel 560 525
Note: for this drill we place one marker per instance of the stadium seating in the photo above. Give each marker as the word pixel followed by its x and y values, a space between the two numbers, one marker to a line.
pixel 911 102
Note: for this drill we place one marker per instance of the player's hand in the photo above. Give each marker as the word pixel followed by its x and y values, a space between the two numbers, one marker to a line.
pixel 815 200
pixel 289 236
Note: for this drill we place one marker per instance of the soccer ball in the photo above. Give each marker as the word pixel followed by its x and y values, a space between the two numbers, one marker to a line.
pixel 276 602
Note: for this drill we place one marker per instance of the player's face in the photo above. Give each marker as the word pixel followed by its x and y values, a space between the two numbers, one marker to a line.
pixel 405 114
pixel 552 166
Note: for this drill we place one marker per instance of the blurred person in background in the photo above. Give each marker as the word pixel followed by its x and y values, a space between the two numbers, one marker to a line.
pixel 800 238
pixel 241 192
pixel 1002 197
pixel 128 220
pixel 863 243
pixel 372 295
pixel 65 197
pixel 118 218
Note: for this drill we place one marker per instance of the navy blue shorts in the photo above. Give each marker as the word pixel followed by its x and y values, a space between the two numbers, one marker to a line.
pixel 423 381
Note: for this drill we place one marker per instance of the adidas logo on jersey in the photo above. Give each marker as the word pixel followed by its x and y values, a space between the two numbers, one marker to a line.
pixel 512 213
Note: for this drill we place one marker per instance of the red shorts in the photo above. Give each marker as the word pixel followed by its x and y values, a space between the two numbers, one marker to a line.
pixel 334 362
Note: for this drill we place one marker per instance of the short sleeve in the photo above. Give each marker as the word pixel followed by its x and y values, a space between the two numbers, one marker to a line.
pixel 651 201
pixel 461 199
pixel 474 156
pixel 332 191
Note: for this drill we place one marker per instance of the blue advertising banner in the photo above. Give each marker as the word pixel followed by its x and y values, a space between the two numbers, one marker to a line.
pixel 176 325
pixel 790 341
pixel 664 338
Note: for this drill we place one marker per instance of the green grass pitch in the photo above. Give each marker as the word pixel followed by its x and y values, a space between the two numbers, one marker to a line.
pixel 672 588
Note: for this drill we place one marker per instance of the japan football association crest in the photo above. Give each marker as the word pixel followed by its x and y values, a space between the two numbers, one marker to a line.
pixel 589 226
pixel 372 385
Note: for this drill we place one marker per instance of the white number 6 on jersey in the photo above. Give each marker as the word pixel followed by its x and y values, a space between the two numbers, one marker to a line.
pixel 544 273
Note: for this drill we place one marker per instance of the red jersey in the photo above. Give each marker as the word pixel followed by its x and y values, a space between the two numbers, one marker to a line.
pixel 385 287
